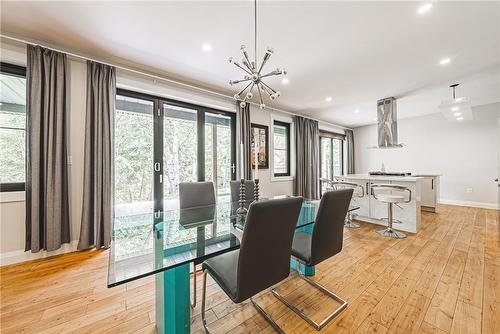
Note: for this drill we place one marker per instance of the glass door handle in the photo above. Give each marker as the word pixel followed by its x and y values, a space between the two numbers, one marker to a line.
pixel 233 168
pixel 157 166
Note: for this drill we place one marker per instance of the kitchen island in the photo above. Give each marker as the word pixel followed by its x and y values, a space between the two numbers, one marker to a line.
pixel 372 210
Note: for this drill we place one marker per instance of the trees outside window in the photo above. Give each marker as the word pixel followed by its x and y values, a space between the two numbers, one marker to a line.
pixel 12 127
pixel 281 148
pixel 331 153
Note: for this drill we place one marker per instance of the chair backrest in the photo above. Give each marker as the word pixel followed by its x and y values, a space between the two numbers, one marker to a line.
pixel 327 235
pixel 235 190
pixel 266 245
pixel 192 194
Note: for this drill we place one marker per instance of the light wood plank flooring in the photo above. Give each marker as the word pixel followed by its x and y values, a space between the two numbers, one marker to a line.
pixel 446 279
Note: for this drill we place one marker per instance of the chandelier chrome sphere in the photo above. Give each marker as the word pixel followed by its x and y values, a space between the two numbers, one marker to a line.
pixel 253 74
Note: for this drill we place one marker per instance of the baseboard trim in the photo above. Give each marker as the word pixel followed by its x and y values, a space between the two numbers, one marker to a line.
pixel 470 203
pixel 18 256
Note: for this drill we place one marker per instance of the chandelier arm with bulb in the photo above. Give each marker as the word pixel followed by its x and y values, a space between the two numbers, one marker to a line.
pixel 255 75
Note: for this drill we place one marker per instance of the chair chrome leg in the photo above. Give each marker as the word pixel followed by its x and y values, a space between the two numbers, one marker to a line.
pixel 270 320
pixel 322 323
pixel 203 297
pixel 349 223
pixel 193 302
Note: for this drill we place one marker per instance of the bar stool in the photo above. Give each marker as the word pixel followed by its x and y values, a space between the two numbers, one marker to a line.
pixel 358 191
pixel 390 199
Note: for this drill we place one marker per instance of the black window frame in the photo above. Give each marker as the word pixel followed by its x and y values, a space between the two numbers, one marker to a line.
pixel 17 71
pixel 288 148
pixel 158 114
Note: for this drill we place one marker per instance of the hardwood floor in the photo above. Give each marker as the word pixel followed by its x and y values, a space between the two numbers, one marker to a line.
pixel 446 279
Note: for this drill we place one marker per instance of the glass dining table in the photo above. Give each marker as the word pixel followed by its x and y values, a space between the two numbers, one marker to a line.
pixel 164 244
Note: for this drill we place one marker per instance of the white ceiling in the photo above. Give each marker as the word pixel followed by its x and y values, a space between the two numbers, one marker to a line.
pixel 355 52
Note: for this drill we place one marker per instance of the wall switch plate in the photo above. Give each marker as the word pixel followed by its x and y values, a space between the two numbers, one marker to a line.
pixel 468 190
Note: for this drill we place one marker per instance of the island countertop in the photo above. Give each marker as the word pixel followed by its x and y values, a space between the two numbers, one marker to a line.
pixel 409 178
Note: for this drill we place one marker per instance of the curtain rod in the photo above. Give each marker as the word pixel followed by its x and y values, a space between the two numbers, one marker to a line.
pixel 180 83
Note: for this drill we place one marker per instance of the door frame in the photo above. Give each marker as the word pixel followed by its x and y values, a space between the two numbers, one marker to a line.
pixel 158 118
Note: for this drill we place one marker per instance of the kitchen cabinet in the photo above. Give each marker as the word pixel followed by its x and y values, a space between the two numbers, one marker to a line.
pixel 371 210
pixel 430 192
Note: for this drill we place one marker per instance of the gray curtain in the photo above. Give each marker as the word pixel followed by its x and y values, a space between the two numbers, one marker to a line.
pixel 245 132
pixel 306 182
pixel 47 206
pixel 97 211
pixel 349 139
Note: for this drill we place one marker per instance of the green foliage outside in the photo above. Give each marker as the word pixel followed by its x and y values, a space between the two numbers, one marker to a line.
pixel 134 156
pixel 12 146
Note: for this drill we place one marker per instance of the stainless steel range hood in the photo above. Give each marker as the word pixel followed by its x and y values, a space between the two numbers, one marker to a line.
pixel 387 124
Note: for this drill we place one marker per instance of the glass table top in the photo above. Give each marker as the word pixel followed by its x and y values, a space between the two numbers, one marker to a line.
pixel 145 244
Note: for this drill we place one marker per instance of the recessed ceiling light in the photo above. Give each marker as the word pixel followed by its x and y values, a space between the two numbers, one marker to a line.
pixel 329 99
pixel 455 109
pixel 356 111
pixel 284 81
pixel 424 8
pixel 460 118
pixel 444 61
pixel 206 47
pixel 456 114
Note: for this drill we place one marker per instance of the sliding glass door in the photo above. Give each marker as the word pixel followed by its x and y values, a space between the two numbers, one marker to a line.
pixel 180 151
pixel 331 153
pixel 160 143
pixel 220 164
pixel 134 149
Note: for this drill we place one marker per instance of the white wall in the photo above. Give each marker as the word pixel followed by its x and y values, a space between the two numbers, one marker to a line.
pixel 465 153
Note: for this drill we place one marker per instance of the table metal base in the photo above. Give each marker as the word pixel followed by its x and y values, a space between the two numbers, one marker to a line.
pixel 173 310
pixel 306 270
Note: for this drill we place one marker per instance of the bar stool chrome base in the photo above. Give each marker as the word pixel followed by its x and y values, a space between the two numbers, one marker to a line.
pixel 317 326
pixel 394 221
pixel 389 232
pixel 349 223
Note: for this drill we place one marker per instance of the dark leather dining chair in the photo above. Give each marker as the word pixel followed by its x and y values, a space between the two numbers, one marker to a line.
pixel 324 242
pixel 263 259
pixel 194 194
pixel 235 190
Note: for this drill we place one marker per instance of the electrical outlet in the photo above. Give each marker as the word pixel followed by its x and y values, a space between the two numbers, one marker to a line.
pixel 468 190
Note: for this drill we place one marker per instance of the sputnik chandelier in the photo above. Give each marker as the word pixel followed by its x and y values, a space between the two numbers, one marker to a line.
pixel 254 77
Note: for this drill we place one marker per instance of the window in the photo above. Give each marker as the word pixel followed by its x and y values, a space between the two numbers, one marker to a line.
pixel 161 142
pixel 12 127
pixel 331 153
pixel 281 148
